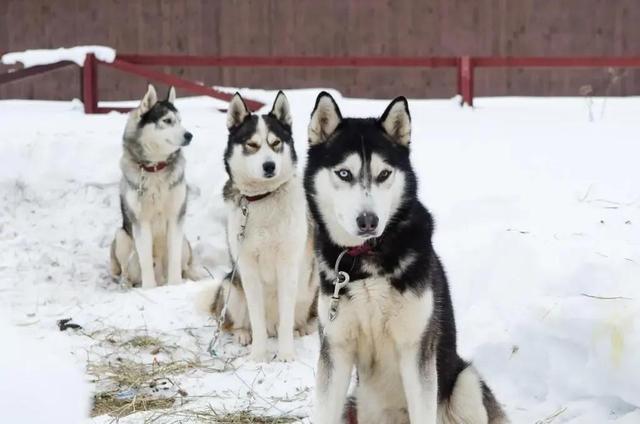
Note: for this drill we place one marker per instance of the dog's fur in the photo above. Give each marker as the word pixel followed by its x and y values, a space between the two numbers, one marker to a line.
pixel 276 283
pixel 150 248
pixel 395 320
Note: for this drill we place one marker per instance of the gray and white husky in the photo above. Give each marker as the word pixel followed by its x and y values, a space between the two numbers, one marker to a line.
pixel 151 248
pixel 276 283
pixel 384 305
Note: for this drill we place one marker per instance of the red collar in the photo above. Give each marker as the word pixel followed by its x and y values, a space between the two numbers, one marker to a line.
pixel 257 197
pixel 158 166
pixel 363 249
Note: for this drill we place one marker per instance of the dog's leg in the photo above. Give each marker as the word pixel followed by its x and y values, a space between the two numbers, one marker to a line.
pixel 175 236
pixel 254 293
pixel 332 382
pixel 420 384
pixel 144 245
pixel 287 294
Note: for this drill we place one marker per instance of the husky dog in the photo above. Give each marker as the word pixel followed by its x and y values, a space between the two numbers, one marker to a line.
pixel 150 247
pixel 384 304
pixel 275 285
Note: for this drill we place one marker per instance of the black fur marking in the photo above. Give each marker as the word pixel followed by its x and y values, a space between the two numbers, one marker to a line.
pixel 156 113
pixel 183 209
pixel 179 180
pixel 128 218
pixel 325 354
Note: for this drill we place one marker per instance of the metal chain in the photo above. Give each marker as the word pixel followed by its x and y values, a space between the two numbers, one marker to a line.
pixel 244 208
pixel 141 182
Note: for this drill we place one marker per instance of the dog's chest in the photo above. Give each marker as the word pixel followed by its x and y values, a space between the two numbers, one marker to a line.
pixel 155 198
pixel 378 319
pixel 271 226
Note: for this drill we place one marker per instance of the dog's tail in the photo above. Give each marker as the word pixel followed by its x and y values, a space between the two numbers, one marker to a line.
pixel 208 298
pixel 116 268
pixel 471 402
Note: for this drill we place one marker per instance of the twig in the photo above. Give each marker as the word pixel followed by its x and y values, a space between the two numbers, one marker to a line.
pixel 553 416
pixel 606 297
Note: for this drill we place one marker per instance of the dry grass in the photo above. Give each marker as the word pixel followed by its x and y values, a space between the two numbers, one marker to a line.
pixel 138 372
pixel 134 378
pixel 109 403
pixel 211 416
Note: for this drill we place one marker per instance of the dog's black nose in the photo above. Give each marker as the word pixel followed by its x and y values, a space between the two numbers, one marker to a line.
pixel 187 138
pixel 367 223
pixel 269 168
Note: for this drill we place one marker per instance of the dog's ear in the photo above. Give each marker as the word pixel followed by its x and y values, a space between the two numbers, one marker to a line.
pixel 325 118
pixel 281 110
pixel 237 112
pixel 171 95
pixel 149 99
pixel 396 121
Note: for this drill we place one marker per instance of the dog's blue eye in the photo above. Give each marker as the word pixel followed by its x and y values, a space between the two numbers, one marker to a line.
pixel 382 176
pixel 344 175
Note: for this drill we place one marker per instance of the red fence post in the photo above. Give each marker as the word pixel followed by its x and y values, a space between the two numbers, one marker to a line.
pixel 465 80
pixel 90 84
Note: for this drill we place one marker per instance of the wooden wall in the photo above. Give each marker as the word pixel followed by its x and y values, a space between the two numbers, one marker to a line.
pixel 332 27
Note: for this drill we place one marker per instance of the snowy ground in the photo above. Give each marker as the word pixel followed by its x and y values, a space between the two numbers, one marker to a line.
pixel 538 225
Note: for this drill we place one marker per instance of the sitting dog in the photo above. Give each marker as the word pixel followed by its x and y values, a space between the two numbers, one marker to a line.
pixel 384 304
pixel 275 284
pixel 151 248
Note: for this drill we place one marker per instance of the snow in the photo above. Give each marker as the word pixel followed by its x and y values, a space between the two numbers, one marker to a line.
pixel 538 225
pixel 31 374
pixel 77 54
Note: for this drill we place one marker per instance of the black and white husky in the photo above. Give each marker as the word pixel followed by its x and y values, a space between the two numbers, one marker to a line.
pixel 384 304
pixel 269 233
pixel 150 248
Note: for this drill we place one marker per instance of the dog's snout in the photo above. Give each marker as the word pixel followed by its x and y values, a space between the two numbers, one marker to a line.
pixel 269 169
pixel 187 138
pixel 367 223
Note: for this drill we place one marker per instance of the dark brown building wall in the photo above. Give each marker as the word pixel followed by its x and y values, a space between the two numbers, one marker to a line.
pixel 332 28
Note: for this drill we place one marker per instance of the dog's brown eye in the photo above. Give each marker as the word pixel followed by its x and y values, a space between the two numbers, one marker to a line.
pixel 276 143
pixel 167 121
pixel 382 176
pixel 253 146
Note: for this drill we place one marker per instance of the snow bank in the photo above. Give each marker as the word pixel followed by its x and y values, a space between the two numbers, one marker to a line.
pixel 30 58
pixel 39 382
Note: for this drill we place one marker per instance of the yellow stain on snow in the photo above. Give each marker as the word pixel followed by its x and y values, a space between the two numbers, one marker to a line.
pixel 613 330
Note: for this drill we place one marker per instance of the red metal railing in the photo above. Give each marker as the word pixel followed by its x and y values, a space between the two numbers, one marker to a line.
pixel 465 66
pixel 468 65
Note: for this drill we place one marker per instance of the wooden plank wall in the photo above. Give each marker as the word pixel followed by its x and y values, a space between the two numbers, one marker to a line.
pixel 332 27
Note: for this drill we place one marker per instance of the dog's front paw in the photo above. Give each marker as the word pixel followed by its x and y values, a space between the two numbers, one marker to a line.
pixel 259 355
pixel 242 337
pixel 304 330
pixel 149 284
pixel 287 355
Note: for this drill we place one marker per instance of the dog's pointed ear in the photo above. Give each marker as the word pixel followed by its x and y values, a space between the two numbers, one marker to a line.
pixel 396 121
pixel 281 110
pixel 237 112
pixel 325 118
pixel 171 95
pixel 149 99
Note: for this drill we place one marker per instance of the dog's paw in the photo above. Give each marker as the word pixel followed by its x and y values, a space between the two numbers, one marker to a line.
pixel 242 337
pixel 258 356
pixel 287 355
pixel 304 330
pixel 272 331
pixel 149 285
